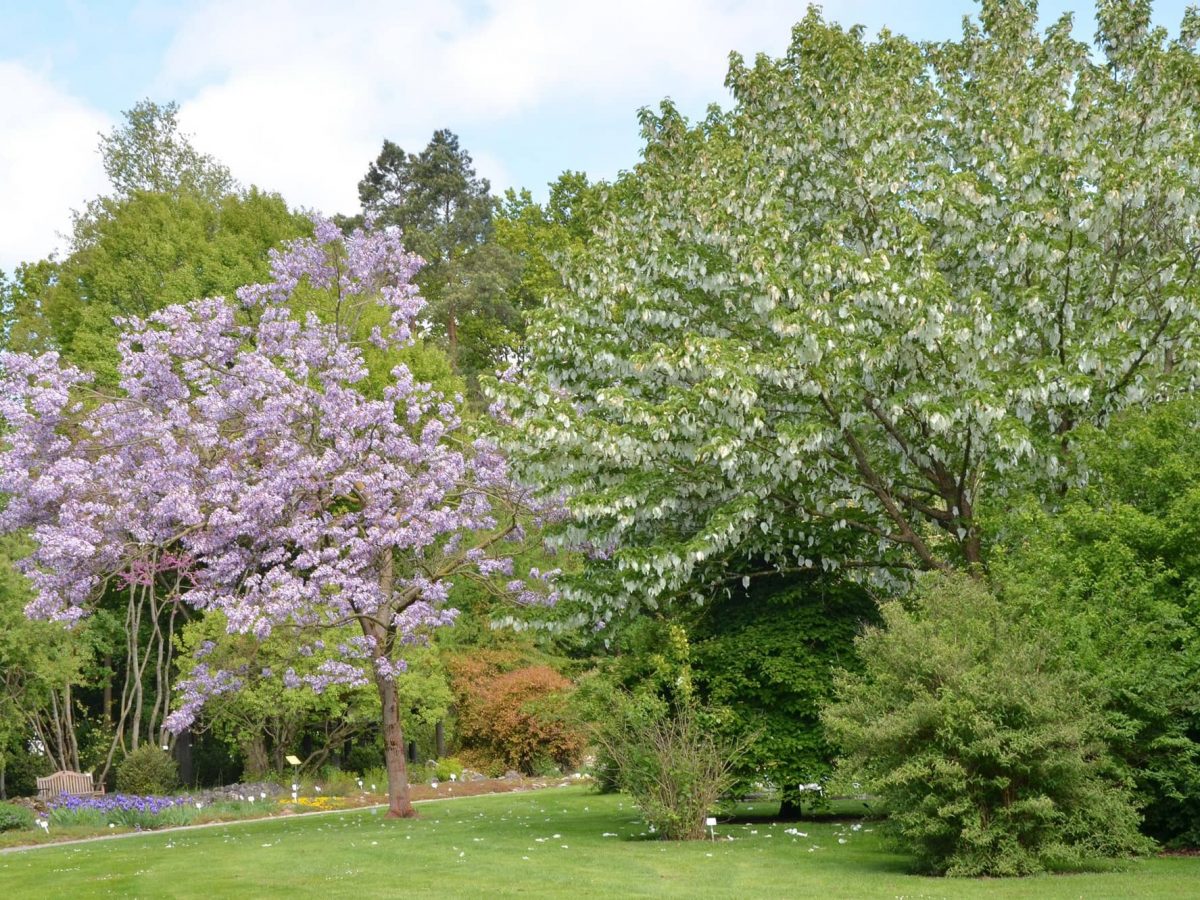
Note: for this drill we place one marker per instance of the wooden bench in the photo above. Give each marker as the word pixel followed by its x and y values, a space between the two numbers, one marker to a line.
pixel 77 784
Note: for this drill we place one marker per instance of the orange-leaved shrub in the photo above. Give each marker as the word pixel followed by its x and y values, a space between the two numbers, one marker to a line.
pixel 517 718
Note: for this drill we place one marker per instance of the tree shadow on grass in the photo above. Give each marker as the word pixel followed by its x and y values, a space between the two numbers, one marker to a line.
pixel 841 810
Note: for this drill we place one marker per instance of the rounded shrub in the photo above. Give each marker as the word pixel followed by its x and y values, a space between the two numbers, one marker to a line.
pixel 979 740
pixel 148 770
pixel 14 818
pixel 516 718
pixel 447 766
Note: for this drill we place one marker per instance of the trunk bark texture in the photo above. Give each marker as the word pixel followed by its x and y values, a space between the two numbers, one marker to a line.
pixel 399 804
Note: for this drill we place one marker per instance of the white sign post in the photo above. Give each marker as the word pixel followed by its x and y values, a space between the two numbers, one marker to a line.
pixel 711 822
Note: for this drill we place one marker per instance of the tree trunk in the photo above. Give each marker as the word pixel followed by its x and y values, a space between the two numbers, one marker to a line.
pixel 258 763
pixel 108 692
pixel 183 756
pixel 789 807
pixel 439 739
pixel 399 804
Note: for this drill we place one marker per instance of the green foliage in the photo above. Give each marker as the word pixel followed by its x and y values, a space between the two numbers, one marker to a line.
pixel 135 255
pixel 266 720
pixel 335 782
pixel 1115 576
pixel 488 263
pixel 445 767
pixel 985 748
pixel 766 657
pixel 647 660
pixel 670 760
pixel 376 775
pixel 39 664
pixel 148 153
pixel 21 768
pixel 13 817
pixel 22 326
pixel 444 211
pixel 543 238
pixel 148 770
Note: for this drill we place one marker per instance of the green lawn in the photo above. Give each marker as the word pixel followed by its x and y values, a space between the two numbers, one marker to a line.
pixel 558 842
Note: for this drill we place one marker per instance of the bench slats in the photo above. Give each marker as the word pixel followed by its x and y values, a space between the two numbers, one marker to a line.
pixel 72 783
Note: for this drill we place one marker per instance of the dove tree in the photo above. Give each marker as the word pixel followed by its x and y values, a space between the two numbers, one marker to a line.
pixel 830 325
pixel 249 463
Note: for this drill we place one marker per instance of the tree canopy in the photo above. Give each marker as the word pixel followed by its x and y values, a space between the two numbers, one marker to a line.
pixel 831 325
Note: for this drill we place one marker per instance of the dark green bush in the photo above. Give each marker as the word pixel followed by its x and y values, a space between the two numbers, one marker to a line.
pixel 14 818
pixel 982 745
pixel 767 655
pixel 148 770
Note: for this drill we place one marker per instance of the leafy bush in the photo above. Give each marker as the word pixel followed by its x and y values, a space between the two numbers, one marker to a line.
pixel 148 770
pixel 14 818
pixel 1114 574
pixel 516 717
pixel 445 767
pixel 670 761
pixel 989 756
pixel 766 657
pixel 483 762
pixel 336 783
pixel 376 775
pixel 545 767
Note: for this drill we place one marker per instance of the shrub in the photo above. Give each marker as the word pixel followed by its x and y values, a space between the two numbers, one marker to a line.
pixel 445 767
pixel 14 818
pixel 366 754
pixel 672 762
pixel 148 770
pixel 989 756
pixel 336 783
pixel 517 717
pixel 483 762
pixel 1113 572
pixel 376 775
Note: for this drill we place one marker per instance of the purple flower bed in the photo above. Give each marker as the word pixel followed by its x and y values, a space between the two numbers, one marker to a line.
pixel 128 810
pixel 108 803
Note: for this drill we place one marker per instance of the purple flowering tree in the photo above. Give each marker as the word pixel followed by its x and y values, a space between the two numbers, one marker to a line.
pixel 249 464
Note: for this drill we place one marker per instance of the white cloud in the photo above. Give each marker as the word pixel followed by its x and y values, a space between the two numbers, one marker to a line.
pixel 494 170
pixel 297 96
pixel 48 162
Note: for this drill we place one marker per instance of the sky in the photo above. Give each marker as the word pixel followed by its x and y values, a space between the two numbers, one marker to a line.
pixel 297 96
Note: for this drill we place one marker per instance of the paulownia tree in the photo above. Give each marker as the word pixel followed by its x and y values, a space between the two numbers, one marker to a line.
pixel 247 464
pixel 828 325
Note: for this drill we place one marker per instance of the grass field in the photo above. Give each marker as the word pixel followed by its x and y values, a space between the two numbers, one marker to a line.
pixel 558 842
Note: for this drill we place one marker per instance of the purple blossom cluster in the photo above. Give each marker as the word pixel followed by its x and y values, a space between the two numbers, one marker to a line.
pixel 109 803
pixel 243 466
